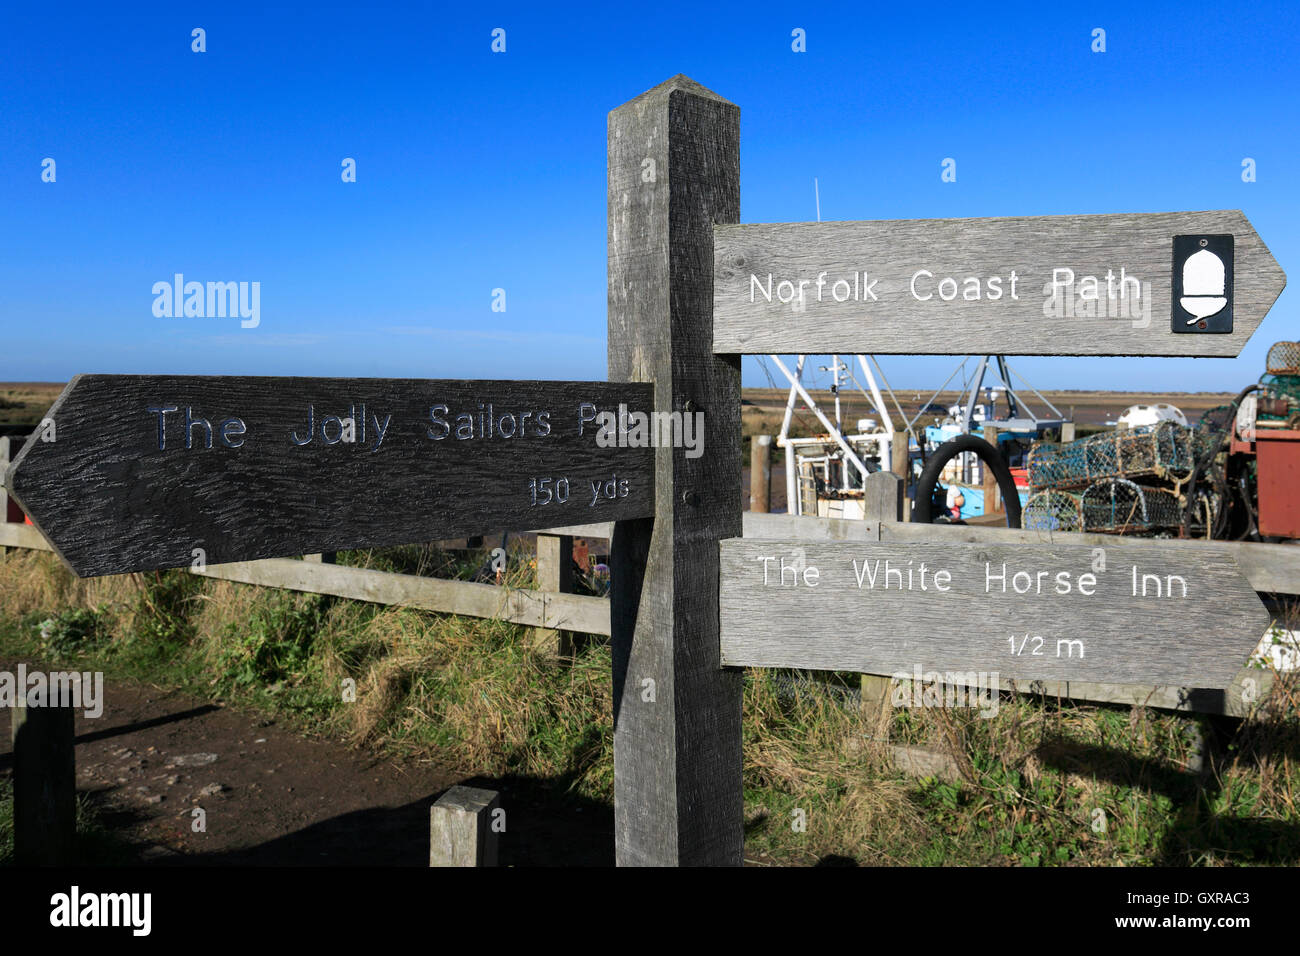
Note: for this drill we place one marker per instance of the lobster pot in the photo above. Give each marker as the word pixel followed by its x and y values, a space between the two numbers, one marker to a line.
pixel 1103 456
pixel 1280 397
pixel 1058 466
pixel 1117 504
pixel 1286 385
pixel 1284 359
pixel 1052 510
pixel 1167 451
pixel 1213 427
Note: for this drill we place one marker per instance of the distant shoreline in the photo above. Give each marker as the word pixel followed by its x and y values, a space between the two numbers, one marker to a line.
pixel 23 404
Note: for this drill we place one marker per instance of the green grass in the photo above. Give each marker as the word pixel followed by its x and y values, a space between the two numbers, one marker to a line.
pixel 1039 783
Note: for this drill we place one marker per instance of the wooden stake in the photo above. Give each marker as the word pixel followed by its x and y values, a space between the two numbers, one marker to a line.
pixel 461 828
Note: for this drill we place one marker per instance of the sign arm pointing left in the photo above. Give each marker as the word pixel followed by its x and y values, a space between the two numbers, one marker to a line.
pixel 142 472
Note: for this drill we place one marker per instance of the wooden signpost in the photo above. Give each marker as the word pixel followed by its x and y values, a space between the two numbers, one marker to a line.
pixel 155 471
pixel 1139 614
pixel 1042 285
pixel 159 471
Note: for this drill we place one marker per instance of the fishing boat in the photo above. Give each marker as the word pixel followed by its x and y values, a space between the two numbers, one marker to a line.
pixel 825 472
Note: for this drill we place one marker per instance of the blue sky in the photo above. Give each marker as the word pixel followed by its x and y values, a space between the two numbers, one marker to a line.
pixel 478 171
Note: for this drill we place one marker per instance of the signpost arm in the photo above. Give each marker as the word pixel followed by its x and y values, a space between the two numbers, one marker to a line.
pixel 674 171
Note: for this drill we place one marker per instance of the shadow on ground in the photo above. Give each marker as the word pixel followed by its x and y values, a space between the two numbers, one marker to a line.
pixel 1196 829
pixel 542 829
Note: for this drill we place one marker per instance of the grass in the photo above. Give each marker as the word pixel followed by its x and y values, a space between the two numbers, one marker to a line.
pixel 26 403
pixel 1040 783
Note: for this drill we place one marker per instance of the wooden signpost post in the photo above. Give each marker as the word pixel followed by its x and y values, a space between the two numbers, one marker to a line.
pixel 1139 614
pixel 1041 285
pixel 157 471
pixel 674 172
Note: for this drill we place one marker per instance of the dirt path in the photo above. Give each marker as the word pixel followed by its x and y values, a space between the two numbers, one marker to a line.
pixel 274 797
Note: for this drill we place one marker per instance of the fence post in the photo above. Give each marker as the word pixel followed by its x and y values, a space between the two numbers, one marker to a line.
pixel 4 491
pixel 992 504
pixel 900 454
pixel 760 474
pixel 674 171
pixel 461 831
pixel 882 500
pixel 45 784
pixel 554 575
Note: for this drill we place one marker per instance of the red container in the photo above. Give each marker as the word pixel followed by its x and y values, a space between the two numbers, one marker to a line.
pixel 1278 458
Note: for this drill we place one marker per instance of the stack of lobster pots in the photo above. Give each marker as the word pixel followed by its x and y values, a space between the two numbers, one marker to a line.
pixel 1131 481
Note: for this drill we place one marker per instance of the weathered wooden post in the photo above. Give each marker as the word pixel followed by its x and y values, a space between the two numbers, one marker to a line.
pixel 554 575
pixel 4 492
pixel 45 785
pixel 882 497
pixel 674 171
pixel 10 513
pixel 462 828
pixel 901 464
pixel 882 500
pixel 991 503
pixel 760 474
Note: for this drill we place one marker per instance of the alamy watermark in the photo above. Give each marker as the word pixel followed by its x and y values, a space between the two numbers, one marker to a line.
pixel 212 300
pixel 921 688
pixel 645 429
pixel 1122 296
pixel 80 691
pixel 126 910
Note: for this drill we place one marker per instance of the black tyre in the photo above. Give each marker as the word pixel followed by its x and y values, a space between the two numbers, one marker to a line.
pixel 922 511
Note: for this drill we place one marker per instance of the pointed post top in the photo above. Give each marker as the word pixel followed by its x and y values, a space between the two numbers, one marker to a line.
pixel 681 83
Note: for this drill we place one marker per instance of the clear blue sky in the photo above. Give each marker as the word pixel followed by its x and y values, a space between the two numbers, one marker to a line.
pixel 478 170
